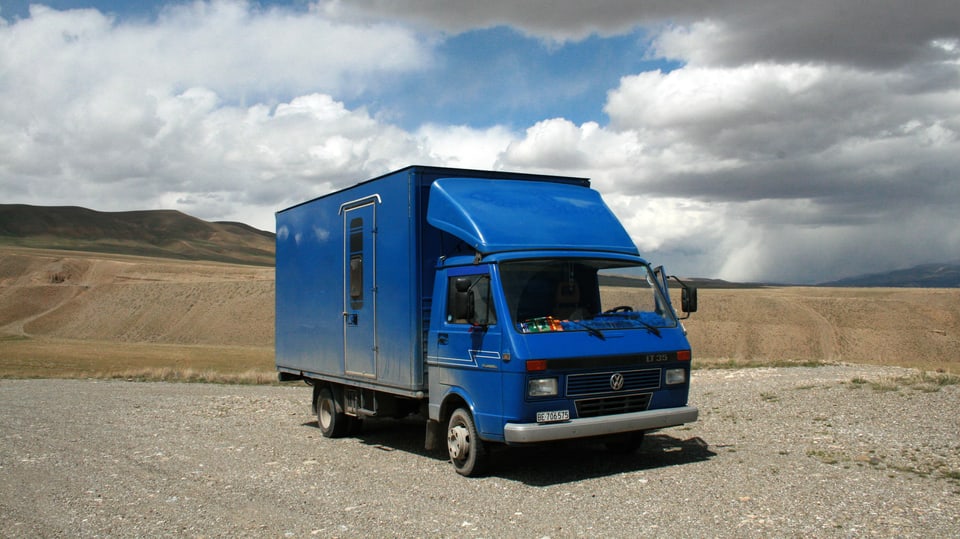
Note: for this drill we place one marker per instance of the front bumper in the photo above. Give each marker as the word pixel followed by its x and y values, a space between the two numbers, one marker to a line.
pixel 524 433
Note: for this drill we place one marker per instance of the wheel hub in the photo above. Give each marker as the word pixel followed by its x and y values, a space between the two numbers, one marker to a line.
pixel 458 442
pixel 325 415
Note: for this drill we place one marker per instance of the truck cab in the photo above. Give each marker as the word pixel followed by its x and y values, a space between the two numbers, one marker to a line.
pixel 536 353
pixel 526 344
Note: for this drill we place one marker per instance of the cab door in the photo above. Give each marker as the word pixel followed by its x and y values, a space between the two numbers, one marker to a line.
pixel 464 349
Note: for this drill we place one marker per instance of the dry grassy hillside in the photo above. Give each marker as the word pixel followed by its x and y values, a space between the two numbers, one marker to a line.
pixel 63 313
pixel 66 313
pixel 151 233
pixel 130 299
pixel 916 327
pixel 891 326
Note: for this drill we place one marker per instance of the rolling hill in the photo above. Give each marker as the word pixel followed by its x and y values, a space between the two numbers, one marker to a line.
pixel 941 275
pixel 200 295
pixel 155 233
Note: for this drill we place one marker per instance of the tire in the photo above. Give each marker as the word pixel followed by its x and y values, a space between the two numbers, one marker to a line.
pixel 467 452
pixel 333 423
pixel 624 444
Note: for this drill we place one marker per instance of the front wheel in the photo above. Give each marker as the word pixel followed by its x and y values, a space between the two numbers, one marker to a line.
pixel 464 445
pixel 333 424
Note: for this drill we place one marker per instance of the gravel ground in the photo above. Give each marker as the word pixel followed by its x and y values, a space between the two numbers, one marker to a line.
pixel 833 451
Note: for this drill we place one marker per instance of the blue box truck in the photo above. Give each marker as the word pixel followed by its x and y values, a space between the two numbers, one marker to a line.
pixel 474 299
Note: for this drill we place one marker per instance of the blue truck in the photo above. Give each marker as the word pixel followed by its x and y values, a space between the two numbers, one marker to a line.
pixel 476 300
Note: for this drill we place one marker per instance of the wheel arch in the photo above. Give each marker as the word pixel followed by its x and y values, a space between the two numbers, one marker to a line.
pixel 335 389
pixel 456 398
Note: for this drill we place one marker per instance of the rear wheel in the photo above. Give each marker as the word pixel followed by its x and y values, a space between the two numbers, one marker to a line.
pixel 466 450
pixel 333 424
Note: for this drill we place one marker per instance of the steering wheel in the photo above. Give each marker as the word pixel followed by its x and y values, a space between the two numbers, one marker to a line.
pixel 619 309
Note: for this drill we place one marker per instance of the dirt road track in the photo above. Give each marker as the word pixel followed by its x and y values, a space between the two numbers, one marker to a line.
pixel 834 451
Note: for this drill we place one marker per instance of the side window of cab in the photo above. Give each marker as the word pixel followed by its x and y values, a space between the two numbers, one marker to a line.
pixel 470 301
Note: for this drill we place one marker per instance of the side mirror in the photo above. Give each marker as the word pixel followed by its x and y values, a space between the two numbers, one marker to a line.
pixel 688 299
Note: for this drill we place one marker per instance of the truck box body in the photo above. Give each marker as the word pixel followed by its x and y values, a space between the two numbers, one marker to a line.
pixel 376 226
pixel 458 293
pixel 314 245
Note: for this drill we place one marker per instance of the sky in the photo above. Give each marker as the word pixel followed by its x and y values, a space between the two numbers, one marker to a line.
pixel 790 141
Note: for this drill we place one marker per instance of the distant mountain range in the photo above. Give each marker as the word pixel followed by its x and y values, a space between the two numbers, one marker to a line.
pixel 942 275
pixel 158 233
pixel 172 234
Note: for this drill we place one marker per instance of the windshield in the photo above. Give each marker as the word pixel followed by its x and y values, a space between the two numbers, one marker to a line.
pixel 583 295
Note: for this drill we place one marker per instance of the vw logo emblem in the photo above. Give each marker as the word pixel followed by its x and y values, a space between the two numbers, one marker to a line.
pixel 616 381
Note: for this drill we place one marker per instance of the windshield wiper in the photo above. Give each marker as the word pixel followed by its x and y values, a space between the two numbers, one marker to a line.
pixel 593 331
pixel 649 327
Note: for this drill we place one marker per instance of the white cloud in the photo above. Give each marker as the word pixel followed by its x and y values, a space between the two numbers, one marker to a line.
pixel 770 171
pixel 721 32
pixel 153 114
pixel 552 145
pixel 791 143
pixel 462 146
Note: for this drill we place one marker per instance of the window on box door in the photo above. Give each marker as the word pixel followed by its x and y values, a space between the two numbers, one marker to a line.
pixel 356 263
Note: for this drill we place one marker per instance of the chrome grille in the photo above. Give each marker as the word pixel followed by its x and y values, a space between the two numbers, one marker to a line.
pixel 598 383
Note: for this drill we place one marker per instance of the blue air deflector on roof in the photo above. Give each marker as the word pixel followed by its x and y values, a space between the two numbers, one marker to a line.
pixel 509 215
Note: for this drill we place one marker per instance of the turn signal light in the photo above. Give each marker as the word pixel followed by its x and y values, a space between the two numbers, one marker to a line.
pixel 683 355
pixel 534 365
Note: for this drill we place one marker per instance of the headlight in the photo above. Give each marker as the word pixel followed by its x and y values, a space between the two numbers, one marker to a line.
pixel 541 387
pixel 675 376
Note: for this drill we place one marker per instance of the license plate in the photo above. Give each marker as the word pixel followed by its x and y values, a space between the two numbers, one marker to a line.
pixel 553 416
